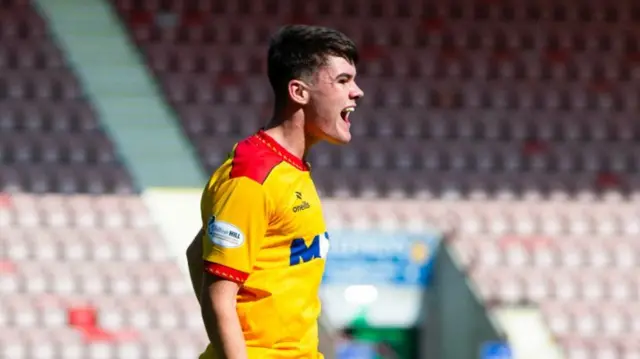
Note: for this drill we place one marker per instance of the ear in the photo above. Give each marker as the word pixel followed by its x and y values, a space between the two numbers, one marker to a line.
pixel 298 92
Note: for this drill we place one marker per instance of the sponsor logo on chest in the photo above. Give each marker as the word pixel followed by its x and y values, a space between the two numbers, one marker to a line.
pixel 302 251
pixel 302 204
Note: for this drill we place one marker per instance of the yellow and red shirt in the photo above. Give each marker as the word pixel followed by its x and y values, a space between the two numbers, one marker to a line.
pixel 263 227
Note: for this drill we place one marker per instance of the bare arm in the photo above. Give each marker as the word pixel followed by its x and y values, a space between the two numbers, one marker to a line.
pixel 218 305
pixel 217 299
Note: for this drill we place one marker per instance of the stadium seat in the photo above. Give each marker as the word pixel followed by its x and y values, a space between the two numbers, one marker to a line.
pixel 579 280
pixel 547 74
pixel 41 101
pixel 78 288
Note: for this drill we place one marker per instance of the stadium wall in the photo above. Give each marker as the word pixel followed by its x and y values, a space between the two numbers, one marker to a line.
pixel 457 324
pixel 529 336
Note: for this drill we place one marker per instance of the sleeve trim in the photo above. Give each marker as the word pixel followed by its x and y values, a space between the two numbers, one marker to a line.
pixel 225 272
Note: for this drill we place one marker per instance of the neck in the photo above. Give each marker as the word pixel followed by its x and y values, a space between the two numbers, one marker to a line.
pixel 288 129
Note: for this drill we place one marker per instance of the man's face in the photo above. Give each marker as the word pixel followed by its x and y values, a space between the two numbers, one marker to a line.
pixel 333 96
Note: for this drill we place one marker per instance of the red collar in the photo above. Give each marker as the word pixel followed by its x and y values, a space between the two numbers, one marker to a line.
pixel 277 148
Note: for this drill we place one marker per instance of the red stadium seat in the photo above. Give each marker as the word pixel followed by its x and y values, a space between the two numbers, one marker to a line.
pixel 82 316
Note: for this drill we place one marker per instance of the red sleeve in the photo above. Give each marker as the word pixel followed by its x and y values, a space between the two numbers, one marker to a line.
pixel 225 272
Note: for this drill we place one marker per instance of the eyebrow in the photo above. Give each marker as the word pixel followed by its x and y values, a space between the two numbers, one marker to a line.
pixel 344 74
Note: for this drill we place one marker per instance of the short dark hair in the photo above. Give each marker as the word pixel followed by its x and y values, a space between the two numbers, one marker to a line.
pixel 297 51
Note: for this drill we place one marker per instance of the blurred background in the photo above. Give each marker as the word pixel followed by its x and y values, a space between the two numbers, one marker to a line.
pixel 487 207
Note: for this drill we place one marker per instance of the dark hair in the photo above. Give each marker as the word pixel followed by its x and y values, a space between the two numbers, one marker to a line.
pixel 297 51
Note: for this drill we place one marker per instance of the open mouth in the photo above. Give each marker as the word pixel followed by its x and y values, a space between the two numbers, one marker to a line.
pixel 346 112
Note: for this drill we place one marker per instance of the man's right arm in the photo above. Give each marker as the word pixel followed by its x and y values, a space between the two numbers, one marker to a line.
pixel 217 299
pixel 219 304
pixel 238 215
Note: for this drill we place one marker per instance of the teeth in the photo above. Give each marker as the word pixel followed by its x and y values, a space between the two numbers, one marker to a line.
pixel 349 109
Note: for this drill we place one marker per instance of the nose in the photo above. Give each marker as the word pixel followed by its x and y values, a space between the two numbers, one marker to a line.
pixel 357 92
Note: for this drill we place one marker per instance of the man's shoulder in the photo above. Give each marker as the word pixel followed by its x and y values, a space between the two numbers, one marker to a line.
pixel 251 159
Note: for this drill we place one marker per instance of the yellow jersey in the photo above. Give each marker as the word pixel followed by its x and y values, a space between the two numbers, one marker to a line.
pixel 263 227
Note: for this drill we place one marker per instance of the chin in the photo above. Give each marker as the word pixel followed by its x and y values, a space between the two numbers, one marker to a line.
pixel 341 133
pixel 339 138
pixel 335 135
pixel 345 139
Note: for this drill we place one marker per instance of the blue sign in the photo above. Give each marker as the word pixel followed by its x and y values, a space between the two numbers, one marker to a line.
pixel 495 350
pixel 379 258
pixel 355 350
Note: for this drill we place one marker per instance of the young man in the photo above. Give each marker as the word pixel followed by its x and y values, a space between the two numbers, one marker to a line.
pixel 263 238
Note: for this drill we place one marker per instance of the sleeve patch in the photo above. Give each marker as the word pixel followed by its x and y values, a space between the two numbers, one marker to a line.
pixel 224 234
pixel 225 272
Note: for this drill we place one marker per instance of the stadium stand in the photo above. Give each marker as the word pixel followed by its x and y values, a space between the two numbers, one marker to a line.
pixel 576 262
pixel 50 139
pixel 79 255
pixel 526 110
pixel 482 99
pixel 77 275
